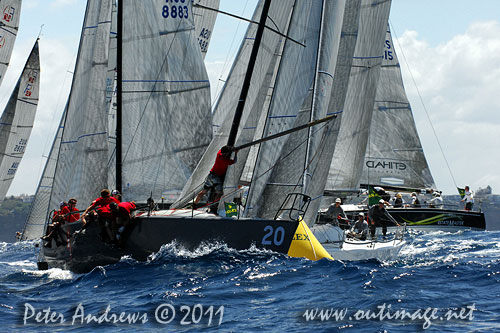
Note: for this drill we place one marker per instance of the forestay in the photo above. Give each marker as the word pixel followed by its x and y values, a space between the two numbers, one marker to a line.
pixel 166 98
pixel 394 154
pixel 9 25
pixel 17 119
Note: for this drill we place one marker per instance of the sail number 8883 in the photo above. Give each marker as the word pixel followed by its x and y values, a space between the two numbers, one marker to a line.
pixel 171 10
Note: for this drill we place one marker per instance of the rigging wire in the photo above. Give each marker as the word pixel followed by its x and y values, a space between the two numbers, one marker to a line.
pixel 423 105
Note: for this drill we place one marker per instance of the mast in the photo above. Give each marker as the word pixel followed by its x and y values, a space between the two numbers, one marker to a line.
pixel 119 94
pixel 248 76
pixel 307 175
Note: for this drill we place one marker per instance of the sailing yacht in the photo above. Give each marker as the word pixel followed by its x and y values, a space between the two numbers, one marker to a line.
pixel 393 159
pixel 163 126
pixel 17 120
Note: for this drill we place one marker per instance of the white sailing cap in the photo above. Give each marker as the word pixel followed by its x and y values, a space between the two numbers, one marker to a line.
pixel 338 200
pixel 381 201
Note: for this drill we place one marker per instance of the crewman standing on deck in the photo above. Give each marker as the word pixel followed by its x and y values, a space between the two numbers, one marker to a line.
pixel 215 179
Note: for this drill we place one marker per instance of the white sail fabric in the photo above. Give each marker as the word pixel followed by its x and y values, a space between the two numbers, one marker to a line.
pixel 336 47
pixel 345 171
pixel 204 21
pixel 83 154
pixel 295 77
pixel 279 15
pixel 40 208
pixel 319 169
pixel 17 119
pixel 394 154
pixel 166 99
pixel 9 25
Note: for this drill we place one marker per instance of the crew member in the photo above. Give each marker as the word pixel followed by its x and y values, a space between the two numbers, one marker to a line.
pixel 70 212
pixel 437 201
pixel 122 214
pixel 360 229
pixel 336 213
pixel 104 200
pixel 378 217
pixel 398 201
pixel 414 200
pixel 215 179
pixel 468 198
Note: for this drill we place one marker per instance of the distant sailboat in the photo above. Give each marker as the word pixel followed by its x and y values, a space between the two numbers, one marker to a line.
pixel 10 11
pixel 393 157
pixel 17 119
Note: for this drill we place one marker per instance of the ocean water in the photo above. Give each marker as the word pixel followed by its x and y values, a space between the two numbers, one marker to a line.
pixel 445 282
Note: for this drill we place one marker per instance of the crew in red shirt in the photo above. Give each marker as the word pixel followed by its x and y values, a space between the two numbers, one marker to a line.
pixel 122 214
pixel 104 200
pixel 68 211
pixel 215 178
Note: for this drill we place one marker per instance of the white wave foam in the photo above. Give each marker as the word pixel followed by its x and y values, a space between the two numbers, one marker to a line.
pixel 24 263
pixel 52 273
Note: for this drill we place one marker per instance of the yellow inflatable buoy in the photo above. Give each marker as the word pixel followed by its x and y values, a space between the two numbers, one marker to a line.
pixel 305 245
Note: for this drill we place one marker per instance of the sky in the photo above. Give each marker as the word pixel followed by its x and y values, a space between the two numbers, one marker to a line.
pixel 449 52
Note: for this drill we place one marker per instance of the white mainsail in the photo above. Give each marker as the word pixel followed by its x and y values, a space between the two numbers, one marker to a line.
pixel 9 25
pixel 166 99
pixel 346 167
pixel 394 154
pixel 17 119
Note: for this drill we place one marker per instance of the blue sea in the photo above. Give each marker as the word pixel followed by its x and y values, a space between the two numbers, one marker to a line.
pixel 441 282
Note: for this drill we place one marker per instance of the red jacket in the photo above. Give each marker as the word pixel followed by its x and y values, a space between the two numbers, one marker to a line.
pixel 125 208
pixel 221 164
pixel 65 211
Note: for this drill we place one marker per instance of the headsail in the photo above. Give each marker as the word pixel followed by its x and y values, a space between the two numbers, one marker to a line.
pixel 82 159
pixel 291 89
pixel 166 98
pixel 394 154
pixel 39 210
pixel 17 119
pixel 9 24
pixel 346 167
pixel 338 38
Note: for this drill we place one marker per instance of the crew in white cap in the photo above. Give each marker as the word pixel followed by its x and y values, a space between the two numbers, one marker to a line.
pixel 335 212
